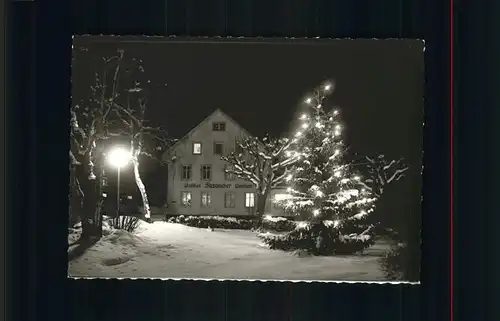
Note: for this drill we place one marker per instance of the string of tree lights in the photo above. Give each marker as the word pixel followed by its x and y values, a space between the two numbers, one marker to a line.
pixel 323 189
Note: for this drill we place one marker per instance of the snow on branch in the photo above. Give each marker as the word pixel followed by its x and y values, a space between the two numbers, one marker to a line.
pixel 263 162
pixel 381 171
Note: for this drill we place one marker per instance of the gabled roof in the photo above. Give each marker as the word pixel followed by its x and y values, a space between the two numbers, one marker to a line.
pixel 218 110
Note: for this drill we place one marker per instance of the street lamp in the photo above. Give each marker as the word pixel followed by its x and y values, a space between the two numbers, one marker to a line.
pixel 119 157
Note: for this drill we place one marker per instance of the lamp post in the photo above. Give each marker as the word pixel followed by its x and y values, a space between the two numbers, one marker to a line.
pixel 118 157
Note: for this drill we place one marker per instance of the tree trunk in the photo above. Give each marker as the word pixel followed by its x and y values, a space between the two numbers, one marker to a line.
pixel 91 212
pixel 142 188
pixel 261 202
pixel 75 199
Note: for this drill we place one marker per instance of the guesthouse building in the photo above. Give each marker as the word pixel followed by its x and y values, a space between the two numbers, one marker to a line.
pixel 197 183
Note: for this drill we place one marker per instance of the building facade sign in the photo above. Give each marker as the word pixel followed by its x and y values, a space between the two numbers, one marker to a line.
pixel 212 185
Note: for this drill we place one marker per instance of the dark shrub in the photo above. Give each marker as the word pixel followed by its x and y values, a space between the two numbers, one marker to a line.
pixel 276 224
pixel 213 222
pixel 402 263
pixel 318 239
pixel 127 223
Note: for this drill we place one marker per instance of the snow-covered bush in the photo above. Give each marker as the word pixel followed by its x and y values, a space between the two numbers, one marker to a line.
pixel 277 224
pixel 319 239
pixel 214 222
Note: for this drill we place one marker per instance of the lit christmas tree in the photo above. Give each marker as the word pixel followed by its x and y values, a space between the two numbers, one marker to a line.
pixel 323 189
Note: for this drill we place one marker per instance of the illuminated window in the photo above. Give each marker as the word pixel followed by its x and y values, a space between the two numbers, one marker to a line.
pixel 281 197
pixel 197 148
pixel 206 199
pixel 206 172
pixel 229 199
pixel 186 199
pixel 249 199
pixel 278 200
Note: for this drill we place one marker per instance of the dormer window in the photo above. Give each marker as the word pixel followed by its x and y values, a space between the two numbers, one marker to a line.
pixel 219 127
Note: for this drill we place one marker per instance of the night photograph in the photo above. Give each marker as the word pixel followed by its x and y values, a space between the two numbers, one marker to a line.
pixel 246 159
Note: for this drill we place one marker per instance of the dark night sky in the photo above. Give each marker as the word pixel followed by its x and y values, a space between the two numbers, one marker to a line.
pixel 379 86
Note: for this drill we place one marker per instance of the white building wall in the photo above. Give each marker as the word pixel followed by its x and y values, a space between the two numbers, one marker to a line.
pixel 182 154
pixel 217 186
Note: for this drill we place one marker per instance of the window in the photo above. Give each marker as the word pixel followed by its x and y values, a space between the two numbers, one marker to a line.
pixel 218 127
pixel 229 198
pixel 249 199
pixel 218 147
pixel 186 199
pixel 197 148
pixel 228 176
pixel 186 172
pixel 206 199
pixel 206 172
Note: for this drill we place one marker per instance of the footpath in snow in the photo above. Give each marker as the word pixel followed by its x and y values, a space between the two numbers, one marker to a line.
pixel 167 250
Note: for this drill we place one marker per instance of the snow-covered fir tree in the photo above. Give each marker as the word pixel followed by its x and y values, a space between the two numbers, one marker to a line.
pixel 323 188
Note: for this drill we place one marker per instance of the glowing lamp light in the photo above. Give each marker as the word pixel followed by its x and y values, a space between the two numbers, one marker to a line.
pixel 335 112
pixel 338 127
pixel 298 134
pixel 319 106
pixel 305 126
pixel 308 100
pixel 119 157
pixel 316 212
pixel 328 87
pixel 304 116
pixel 289 189
pixel 337 152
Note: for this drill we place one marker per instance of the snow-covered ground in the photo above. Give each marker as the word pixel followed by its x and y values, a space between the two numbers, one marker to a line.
pixel 167 250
